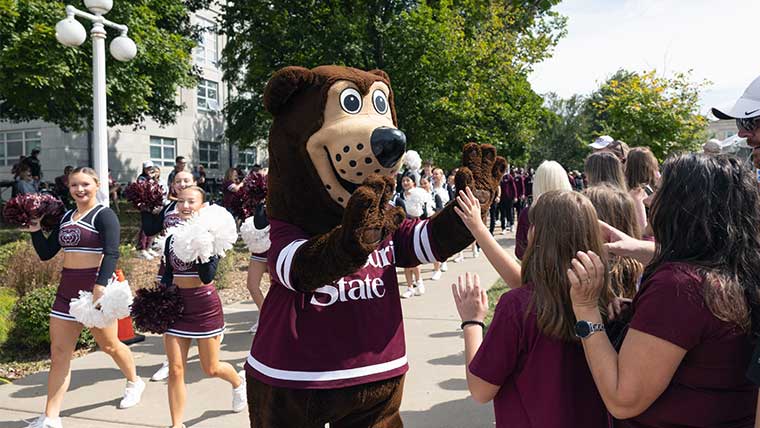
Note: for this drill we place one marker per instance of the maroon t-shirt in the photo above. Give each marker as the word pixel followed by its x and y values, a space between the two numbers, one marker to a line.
pixel 544 382
pixel 521 237
pixel 349 332
pixel 709 388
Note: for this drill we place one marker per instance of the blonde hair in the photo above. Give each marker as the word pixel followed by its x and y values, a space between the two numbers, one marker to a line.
pixel 87 171
pixel 550 176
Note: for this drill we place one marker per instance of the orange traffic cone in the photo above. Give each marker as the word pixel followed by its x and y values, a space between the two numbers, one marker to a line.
pixel 126 332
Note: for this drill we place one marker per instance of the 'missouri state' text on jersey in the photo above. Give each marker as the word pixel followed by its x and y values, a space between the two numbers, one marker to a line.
pixel 346 333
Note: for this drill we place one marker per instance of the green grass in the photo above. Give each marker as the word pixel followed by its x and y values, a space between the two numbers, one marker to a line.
pixel 494 293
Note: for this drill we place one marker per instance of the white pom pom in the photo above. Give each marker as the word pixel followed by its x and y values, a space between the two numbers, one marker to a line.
pixel 192 241
pixel 222 227
pixel 160 240
pixel 257 240
pixel 412 160
pixel 116 300
pixel 84 311
pixel 414 202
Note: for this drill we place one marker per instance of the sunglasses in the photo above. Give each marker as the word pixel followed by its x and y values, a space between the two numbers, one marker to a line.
pixel 749 124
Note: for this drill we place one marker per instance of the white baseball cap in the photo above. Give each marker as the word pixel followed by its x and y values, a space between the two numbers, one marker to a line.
pixel 745 107
pixel 601 142
pixel 148 164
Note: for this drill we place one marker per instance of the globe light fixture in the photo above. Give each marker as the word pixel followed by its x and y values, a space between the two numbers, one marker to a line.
pixel 69 32
pixel 98 7
pixel 123 48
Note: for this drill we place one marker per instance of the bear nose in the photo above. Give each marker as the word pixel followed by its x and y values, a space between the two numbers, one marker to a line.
pixel 388 145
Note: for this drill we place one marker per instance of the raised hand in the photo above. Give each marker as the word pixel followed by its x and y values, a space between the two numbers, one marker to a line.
pixel 481 171
pixel 368 217
pixel 470 298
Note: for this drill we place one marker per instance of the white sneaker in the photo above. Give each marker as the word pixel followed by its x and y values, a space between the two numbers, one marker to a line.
pixel 254 328
pixel 408 293
pixel 459 259
pixel 132 394
pixel 475 253
pixel 504 232
pixel 239 400
pixel 420 289
pixel 162 373
pixel 153 252
pixel 444 267
pixel 436 275
pixel 44 422
pixel 146 255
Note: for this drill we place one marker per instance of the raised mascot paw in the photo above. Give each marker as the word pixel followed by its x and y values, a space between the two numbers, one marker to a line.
pixel 368 217
pixel 481 171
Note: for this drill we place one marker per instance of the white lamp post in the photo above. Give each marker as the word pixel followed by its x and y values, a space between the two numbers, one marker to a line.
pixel 69 32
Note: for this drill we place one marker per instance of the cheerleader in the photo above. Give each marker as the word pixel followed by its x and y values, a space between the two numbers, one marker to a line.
pixel 89 236
pixel 154 224
pixel 257 266
pixel 202 318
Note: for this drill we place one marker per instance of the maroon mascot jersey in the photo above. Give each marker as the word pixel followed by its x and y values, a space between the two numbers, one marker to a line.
pixel 346 333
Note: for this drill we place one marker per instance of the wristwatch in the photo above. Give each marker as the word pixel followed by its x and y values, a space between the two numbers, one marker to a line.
pixel 584 329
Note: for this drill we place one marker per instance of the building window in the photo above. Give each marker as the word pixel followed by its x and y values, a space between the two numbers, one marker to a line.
pixel 247 159
pixel 207 51
pixel 209 154
pixel 208 95
pixel 13 144
pixel 163 151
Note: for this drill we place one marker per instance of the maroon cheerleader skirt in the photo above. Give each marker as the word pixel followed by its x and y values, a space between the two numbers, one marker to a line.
pixel 72 281
pixel 259 257
pixel 202 317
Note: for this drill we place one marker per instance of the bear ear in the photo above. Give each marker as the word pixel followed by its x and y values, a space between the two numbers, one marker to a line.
pixel 283 84
pixel 381 73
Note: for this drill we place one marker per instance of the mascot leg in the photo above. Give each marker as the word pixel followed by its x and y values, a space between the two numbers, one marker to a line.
pixel 373 405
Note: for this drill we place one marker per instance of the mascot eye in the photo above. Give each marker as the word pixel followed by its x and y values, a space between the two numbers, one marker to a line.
pixel 380 101
pixel 351 101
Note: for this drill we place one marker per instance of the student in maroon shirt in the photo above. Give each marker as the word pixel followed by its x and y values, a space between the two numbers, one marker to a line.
pixel 683 359
pixel 530 363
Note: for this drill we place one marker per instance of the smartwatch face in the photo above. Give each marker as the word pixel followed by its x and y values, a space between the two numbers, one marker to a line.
pixel 582 329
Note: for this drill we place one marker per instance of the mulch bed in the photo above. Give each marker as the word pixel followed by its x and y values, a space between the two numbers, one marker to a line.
pixel 140 273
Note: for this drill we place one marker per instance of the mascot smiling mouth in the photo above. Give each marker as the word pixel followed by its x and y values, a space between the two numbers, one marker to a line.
pixel 358 138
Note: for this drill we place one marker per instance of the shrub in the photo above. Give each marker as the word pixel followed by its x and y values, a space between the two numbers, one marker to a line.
pixel 126 253
pixel 226 265
pixel 7 300
pixel 31 319
pixel 27 271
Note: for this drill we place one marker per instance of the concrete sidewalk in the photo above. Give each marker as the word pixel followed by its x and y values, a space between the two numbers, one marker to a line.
pixel 435 394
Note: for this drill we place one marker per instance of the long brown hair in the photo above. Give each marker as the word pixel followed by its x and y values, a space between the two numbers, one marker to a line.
pixel 641 168
pixel 616 208
pixel 706 213
pixel 563 224
pixel 604 167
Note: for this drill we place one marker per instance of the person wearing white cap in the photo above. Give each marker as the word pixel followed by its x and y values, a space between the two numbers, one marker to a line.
pixel 746 112
pixel 601 143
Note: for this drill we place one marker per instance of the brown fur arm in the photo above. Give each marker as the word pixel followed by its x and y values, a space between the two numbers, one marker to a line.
pixel 481 171
pixel 367 220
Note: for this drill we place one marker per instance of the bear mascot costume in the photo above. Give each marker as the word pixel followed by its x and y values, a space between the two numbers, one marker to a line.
pixel 330 344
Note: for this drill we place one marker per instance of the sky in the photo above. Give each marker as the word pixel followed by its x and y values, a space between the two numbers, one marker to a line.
pixel 717 40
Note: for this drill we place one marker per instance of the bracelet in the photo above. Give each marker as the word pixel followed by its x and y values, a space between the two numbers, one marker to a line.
pixel 466 323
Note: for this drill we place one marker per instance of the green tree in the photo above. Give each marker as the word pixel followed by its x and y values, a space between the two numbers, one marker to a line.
pixel 646 109
pixel 564 133
pixel 458 68
pixel 41 79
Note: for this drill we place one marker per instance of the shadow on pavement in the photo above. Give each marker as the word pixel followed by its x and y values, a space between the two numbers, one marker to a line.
pixel 208 414
pixel 454 384
pixel 449 360
pixel 451 414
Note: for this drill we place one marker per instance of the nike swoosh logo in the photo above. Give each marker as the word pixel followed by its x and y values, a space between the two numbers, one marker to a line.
pixel 747 113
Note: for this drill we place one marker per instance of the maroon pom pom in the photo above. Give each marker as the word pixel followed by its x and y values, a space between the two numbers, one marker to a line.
pixel 23 208
pixel 145 195
pixel 156 309
pixel 254 191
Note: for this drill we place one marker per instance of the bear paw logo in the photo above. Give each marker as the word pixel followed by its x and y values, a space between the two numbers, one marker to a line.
pixel 171 221
pixel 69 237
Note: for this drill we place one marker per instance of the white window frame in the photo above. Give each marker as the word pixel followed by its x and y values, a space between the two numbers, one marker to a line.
pixel 163 143
pixel 210 147
pixel 244 158
pixel 203 101
pixel 207 51
pixel 30 139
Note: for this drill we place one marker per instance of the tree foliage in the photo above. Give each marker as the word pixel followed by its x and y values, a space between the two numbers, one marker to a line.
pixel 41 79
pixel 458 68
pixel 564 133
pixel 646 109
